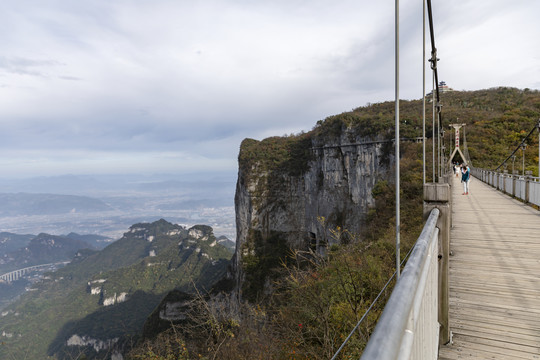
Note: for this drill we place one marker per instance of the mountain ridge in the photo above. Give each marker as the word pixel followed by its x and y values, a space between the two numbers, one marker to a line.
pixel 42 249
pixel 109 294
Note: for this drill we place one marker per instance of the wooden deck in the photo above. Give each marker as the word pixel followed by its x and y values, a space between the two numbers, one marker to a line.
pixel 494 276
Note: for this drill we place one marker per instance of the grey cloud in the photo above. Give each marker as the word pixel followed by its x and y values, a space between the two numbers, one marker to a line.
pixel 25 66
pixel 70 78
pixel 197 78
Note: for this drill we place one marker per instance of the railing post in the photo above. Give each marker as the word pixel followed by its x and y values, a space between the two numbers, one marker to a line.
pixel 448 180
pixel 528 175
pixel 514 177
pixel 438 196
pixel 505 175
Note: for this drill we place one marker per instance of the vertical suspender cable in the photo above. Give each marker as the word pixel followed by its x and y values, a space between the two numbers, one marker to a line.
pixel 433 124
pixel 424 94
pixel 397 139
pixel 438 141
pixel 523 147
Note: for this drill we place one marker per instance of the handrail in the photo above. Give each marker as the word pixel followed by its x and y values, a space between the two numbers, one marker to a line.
pixel 523 187
pixel 413 297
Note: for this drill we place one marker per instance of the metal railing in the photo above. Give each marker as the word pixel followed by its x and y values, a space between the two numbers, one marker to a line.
pixel 526 188
pixel 408 327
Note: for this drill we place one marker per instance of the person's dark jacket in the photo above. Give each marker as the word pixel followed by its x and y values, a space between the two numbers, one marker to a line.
pixel 465 176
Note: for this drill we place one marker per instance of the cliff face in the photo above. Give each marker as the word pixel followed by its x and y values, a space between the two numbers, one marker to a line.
pixel 291 191
pixel 286 184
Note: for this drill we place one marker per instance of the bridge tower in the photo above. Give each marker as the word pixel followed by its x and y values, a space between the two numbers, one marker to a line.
pixel 456 145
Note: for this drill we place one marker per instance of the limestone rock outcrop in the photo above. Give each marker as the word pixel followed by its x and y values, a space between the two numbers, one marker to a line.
pixel 292 190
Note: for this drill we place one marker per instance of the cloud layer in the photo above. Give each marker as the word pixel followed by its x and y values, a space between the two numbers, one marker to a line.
pixel 173 86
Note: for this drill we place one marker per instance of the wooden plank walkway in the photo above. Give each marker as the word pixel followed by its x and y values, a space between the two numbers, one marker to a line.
pixel 494 276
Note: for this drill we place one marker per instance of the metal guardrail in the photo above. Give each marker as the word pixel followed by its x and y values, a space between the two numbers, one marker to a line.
pixel 408 327
pixel 526 188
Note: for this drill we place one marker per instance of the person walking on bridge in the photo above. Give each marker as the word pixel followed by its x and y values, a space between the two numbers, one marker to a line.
pixel 465 178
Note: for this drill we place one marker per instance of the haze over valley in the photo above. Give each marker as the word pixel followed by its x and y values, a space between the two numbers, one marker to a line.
pixel 109 205
pixel 94 211
pixel 48 220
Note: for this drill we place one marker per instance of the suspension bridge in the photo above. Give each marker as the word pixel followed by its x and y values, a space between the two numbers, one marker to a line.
pixel 470 288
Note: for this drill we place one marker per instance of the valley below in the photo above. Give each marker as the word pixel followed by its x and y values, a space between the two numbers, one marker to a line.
pixel 113 223
pixel 109 205
pixel 97 212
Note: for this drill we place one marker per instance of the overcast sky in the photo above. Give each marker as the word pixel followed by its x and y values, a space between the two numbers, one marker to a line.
pixel 173 86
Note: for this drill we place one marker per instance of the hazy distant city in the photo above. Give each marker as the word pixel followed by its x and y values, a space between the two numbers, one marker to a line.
pixel 114 223
pixel 125 201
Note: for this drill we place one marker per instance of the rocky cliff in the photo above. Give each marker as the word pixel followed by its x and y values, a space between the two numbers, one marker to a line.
pixel 292 191
pixel 285 185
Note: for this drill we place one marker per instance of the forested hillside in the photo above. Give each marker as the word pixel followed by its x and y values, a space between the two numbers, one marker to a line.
pixel 496 122
pixel 96 306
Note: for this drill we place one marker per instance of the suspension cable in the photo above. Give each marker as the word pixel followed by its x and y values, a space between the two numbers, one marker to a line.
pixel 434 58
pixel 371 306
pixel 436 106
pixel 518 147
pixel 466 148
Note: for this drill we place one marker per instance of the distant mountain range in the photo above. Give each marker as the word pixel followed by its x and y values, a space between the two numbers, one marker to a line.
pixel 48 204
pixel 44 249
pixel 98 303
pixel 20 251
pixel 214 185
pixel 108 205
pixel 10 242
